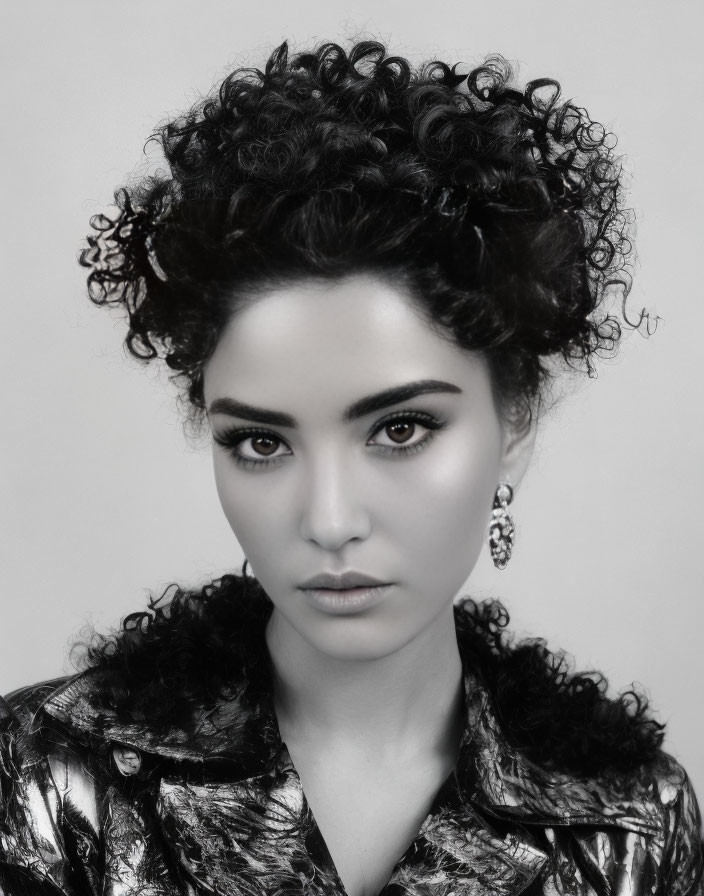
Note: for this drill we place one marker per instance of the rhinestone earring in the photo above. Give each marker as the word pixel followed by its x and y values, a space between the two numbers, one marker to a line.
pixel 501 527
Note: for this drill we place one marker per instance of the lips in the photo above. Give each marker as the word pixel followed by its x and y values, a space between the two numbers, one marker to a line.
pixel 341 582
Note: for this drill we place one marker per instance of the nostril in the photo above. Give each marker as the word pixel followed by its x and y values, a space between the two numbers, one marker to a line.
pixel 333 508
pixel 333 534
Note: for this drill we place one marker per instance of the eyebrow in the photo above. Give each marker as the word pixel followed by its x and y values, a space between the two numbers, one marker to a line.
pixel 367 405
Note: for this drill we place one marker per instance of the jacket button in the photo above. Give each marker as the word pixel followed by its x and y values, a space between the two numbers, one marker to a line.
pixel 668 794
pixel 127 760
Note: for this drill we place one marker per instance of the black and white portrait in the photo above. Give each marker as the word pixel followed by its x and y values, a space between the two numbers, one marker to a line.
pixel 352 450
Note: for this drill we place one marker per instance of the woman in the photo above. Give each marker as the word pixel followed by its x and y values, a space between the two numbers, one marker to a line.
pixel 361 275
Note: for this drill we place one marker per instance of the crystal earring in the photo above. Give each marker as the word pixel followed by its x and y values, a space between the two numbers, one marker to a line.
pixel 501 527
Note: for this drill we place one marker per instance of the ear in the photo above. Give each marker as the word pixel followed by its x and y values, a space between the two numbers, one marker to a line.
pixel 519 434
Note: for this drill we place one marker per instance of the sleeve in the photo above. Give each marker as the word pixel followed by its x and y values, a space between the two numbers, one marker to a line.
pixel 36 855
pixel 683 861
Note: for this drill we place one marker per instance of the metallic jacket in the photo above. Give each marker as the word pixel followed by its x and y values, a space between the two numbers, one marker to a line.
pixel 92 806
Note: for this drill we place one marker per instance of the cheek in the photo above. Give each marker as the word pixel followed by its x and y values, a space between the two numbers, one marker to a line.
pixel 434 507
pixel 444 506
pixel 246 505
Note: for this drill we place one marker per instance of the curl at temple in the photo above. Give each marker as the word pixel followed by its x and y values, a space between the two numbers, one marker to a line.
pixel 500 209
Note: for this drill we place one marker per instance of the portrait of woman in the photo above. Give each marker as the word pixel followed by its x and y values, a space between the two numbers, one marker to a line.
pixel 368 277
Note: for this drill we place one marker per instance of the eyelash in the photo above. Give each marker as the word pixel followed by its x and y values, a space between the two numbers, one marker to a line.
pixel 230 439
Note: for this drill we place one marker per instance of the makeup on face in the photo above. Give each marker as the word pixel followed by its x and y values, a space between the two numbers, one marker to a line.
pixel 350 438
pixel 402 429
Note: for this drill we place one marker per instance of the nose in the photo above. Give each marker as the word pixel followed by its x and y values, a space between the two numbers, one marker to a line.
pixel 333 511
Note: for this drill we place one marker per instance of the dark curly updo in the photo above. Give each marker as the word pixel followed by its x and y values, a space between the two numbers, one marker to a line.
pixel 499 210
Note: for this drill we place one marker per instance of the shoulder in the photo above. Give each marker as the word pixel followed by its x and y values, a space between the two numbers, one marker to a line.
pixel 33 749
pixel 682 824
pixel 659 794
pixel 555 715
pixel 550 750
pixel 23 745
pixel 645 821
pixel 186 678
pixel 17 708
pixel 44 780
pixel 642 821
pixel 187 650
pixel 649 794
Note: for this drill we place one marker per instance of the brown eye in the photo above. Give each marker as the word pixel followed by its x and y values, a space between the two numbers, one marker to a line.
pixel 264 445
pixel 406 432
pixel 400 432
pixel 253 448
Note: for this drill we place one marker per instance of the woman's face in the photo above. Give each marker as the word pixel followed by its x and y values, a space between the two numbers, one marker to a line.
pixel 352 437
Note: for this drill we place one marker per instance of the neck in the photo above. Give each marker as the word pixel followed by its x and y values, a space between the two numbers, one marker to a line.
pixel 404 704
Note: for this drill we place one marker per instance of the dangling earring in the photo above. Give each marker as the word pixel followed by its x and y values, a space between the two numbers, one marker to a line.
pixel 501 527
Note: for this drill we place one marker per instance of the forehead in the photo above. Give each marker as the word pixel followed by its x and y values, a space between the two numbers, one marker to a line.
pixel 330 342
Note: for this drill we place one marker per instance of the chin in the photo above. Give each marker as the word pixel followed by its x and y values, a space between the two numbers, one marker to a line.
pixel 356 637
pixel 346 648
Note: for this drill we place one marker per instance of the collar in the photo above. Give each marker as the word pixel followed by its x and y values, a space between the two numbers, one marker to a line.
pixel 494 776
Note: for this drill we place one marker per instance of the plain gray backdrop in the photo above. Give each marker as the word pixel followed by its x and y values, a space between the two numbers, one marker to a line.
pixel 104 500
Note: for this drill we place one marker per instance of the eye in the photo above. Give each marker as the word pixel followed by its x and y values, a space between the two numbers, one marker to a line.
pixel 262 446
pixel 253 447
pixel 400 432
pixel 405 431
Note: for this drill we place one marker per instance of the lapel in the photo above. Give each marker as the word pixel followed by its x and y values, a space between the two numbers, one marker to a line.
pixel 257 835
pixel 242 823
pixel 220 732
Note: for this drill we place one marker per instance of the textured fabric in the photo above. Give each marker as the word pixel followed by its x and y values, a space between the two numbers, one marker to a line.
pixel 93 805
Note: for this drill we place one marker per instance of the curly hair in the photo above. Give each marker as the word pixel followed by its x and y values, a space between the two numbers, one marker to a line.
pixel 498 209
pixel 180 655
